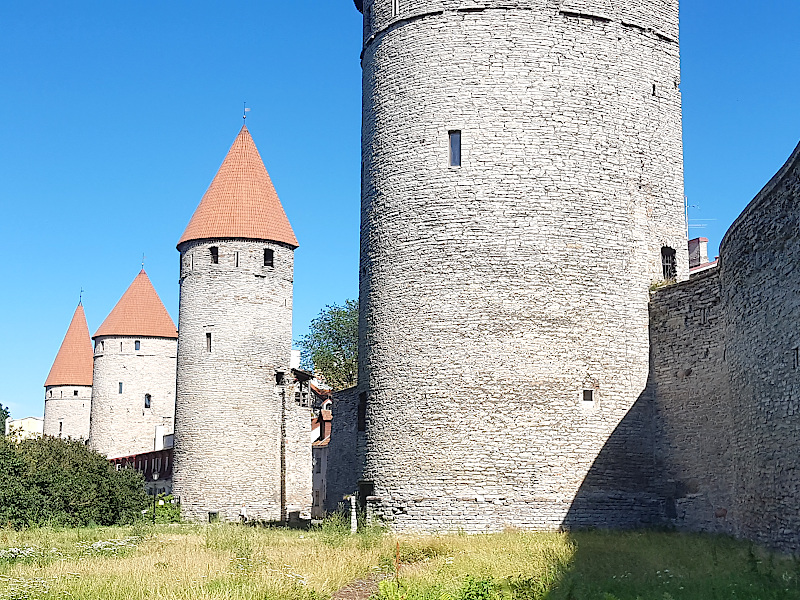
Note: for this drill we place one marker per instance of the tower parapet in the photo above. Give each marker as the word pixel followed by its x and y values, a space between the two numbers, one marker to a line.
pixel 133 398
pixel 236 418
pixel 68 389
pixel 522 188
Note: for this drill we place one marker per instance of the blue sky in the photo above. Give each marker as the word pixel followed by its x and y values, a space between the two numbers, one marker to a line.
pixel 114 117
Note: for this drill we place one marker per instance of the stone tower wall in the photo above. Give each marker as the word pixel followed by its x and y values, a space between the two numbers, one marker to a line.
pixel 66 414
pixel 228 411
pixel 493 294
pixel 120 423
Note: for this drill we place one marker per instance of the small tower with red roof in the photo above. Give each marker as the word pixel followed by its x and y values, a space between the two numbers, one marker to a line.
pixel 237 426
pixel 68 389
pixel 133 396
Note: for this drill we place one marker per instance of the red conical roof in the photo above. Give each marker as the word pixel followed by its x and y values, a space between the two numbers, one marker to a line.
pixel 241 202
pixel 74 362
pixel 139 312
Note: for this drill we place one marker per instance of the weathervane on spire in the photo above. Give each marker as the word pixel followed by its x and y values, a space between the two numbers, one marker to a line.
pixel 143 257
pixel 244 113
pixel 80 297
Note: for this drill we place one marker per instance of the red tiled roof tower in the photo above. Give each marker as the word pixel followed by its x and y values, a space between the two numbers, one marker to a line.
pixel 73 363
pixel 139 312
pixel 241 201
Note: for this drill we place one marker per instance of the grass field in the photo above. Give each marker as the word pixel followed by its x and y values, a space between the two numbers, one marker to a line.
pixel 243 563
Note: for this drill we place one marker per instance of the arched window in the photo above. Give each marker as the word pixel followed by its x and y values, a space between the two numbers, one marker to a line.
pixel 668 264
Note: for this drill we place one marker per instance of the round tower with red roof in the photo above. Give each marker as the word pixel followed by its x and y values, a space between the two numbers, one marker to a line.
pixel 234 419
pixel 133 396
pixel 68 389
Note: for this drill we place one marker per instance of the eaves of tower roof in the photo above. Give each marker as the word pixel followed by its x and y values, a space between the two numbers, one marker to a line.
pixel 74 361
pixel 139 312
pixel 241 201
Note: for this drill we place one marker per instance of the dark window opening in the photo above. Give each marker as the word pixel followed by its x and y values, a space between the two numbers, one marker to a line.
pixel 120 387
pixel 269 258
pixel 588 395
pixel 362 411
pixel 120 346
pixel 395 7
pixel 75 393
pixel 279 379
pixel 654 89
pixel 208 342
pixel 235 259
pixel 147 399
pixel 668 264
pixel 213 517
pixel 60 427
pixel 51 393
pixel 137 345
pixel 455 148
pixel 365 490
pixel 214 255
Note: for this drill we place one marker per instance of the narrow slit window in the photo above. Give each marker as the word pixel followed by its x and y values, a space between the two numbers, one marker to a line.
pixel 668 263
pixel 395 8
pixel 120 387
pixel 214 255
pixel 120 346
pixel 235 259
pixel 137 345
pixel 455 148
pixel 362 411
pixel 60 428
pixel 75 393
pixel 269 258
pixel 208 342
pixel 796 361
pixel 147 399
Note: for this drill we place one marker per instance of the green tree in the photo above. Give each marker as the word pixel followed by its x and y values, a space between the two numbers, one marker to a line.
pixel 63 482
pixel 4 414
pixel 331 345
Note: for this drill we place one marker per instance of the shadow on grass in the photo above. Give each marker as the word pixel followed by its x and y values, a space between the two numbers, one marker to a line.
pixel 672 566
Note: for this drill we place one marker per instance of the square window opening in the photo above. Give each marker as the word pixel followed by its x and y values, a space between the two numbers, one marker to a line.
pixel 588 396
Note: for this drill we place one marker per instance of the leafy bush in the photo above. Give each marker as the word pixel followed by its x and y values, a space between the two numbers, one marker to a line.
pixel 62 482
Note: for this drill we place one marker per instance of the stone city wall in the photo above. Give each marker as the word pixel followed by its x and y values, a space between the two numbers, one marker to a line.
pixel 345 460
pixel 760 279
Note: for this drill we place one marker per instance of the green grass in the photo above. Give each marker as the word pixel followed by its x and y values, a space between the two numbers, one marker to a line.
pixel 177 562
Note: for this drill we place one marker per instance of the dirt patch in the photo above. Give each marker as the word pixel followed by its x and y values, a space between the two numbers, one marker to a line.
pixel 361 589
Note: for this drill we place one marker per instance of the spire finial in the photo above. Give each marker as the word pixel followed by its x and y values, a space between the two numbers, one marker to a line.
pixel 143 257
pixel 80 297
pixel 244 112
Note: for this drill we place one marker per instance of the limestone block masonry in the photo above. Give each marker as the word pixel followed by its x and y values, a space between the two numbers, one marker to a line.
pixel 504 301
pixel 67 410
pixel 121 423
pixel 234 345
pixel 726 377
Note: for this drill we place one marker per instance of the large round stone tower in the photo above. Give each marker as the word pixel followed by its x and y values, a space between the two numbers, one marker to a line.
pixel 522 189
pixel 234 347
pixel 68 389
pixel 133 397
